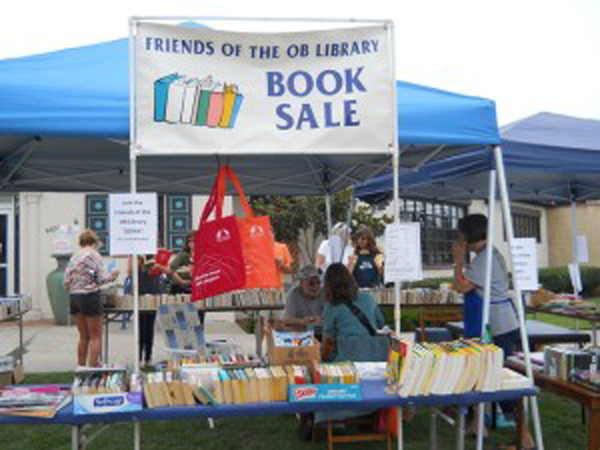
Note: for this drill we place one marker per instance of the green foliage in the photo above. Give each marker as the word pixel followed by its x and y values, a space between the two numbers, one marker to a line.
pixel 431 283
pixel 409 320
pixel 556 279
pixel 290 215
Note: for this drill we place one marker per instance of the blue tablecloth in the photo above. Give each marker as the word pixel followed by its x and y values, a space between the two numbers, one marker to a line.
pixel 373 393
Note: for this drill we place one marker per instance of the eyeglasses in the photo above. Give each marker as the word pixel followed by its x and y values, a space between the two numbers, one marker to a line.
pixel 316 282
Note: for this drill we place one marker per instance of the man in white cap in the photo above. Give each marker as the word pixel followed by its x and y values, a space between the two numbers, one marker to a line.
pixel 306 300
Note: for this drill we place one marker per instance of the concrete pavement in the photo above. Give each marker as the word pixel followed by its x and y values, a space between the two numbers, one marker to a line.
pixel 53 348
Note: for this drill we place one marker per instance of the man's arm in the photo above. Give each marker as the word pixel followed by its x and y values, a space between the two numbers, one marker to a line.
pixel 461 283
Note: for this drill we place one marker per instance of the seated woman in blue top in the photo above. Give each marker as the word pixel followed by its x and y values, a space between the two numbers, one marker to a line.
pixel 350 319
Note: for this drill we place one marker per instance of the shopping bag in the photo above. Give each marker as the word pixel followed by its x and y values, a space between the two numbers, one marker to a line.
pixel 218 256
pixel 258 244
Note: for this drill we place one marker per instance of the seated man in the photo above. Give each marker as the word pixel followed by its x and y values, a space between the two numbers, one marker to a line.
pixel 306 300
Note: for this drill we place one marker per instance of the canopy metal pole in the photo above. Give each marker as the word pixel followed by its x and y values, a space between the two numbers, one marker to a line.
pixel 394 148
pixel 487 288
pixel 328 212
pixel 489 256
pixel 506 213
pixel 575 250
pixel 137 431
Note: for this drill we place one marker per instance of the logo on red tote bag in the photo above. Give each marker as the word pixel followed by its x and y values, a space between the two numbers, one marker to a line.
pixel 257 231
pixel 223 235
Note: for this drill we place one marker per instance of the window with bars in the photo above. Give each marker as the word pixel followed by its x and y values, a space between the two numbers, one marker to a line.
pixel 438 225
pixel 174 219
pixel 527 223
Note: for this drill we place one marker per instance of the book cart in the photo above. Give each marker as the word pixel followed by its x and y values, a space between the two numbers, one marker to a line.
pixel 12 309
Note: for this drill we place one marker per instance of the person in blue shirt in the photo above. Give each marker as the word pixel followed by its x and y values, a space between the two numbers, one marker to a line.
pixel 366 264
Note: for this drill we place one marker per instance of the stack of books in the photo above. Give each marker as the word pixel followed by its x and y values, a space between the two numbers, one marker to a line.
pixel 239 383
pixel 100 381
pixel 9 306
pixel 336 382
pixel 151 302
pixel 273 298
pixel 588 379
pixel 43 402
pixel 453 367
pixel 167 389
pixel 105 390
pixel 563 363
pixel 326 373
pixel 232 361
pixel 416 296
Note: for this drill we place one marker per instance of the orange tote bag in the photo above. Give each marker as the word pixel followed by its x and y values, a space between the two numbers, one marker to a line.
pixel 257 244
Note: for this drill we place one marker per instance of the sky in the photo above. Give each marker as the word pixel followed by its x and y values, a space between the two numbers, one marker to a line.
pixel 527 55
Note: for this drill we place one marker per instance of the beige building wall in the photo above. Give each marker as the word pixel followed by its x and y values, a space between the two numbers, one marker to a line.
pixel 560 241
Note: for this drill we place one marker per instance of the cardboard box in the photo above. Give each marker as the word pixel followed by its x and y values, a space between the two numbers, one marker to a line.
pixel 15 376
pixel 306 393
pixel 107 403
pixel 286 356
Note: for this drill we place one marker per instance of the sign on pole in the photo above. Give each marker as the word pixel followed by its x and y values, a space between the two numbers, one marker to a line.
pixel 402 250
pixel 200 90
pixel 583 255
pixel 133 224
pixel 525 266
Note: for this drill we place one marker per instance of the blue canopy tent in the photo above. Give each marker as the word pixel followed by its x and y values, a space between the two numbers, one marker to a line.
pixel 549 158
pixel 64 126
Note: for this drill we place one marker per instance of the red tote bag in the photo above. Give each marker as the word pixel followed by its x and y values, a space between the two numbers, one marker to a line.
pixel 258 244
pixel 218 256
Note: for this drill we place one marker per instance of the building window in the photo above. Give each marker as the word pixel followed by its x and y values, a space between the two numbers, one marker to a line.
pixel 174 219
pixel 178 220
pixel 438 225
pixel 527 223
pixel 96 218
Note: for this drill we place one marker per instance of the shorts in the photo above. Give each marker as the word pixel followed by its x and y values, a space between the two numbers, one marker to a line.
pixel 87 304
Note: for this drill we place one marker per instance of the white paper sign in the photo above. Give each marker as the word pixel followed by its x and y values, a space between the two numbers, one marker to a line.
pixel 201 90
pixel 402 250
pixel 525 266
pixel 583 255
pixel 133 224
pixel 575 275
pixel 63 239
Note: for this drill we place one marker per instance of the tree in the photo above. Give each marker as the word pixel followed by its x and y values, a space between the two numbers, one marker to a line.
pixel 298 221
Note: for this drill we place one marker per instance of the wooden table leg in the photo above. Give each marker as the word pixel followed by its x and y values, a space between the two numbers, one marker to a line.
pixel 520 422
pixel 594 429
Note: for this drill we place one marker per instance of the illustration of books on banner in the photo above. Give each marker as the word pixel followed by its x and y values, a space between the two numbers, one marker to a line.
pixel 200 102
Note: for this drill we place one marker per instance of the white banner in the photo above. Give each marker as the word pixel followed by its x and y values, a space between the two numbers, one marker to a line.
pixel 206 91
pixel 133 224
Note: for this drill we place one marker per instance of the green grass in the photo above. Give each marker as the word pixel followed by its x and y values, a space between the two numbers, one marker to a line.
pixel 561 421
pixel 566 322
